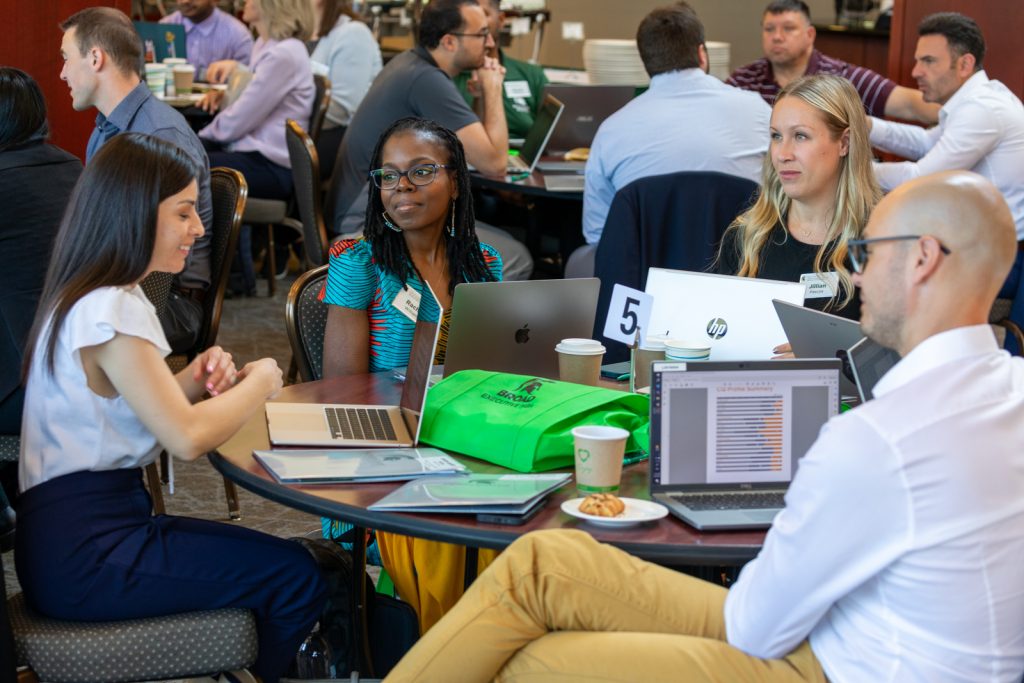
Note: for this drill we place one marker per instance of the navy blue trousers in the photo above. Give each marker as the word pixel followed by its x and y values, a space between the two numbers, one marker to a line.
pixel 88 549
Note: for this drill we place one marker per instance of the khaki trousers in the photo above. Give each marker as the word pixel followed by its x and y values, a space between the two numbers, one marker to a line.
pixel 558 606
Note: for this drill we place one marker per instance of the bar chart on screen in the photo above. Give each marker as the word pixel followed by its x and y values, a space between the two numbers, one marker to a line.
pixel 747 430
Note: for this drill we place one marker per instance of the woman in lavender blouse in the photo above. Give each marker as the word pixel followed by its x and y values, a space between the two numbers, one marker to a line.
pixel 248 134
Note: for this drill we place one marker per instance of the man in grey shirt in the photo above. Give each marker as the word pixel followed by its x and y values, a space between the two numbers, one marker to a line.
pixel 102 56
pixel 453 37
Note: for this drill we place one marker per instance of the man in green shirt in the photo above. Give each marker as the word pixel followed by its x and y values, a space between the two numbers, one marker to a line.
pixel 524 82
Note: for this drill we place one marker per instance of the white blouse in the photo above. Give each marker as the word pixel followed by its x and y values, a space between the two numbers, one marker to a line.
pixel 66 427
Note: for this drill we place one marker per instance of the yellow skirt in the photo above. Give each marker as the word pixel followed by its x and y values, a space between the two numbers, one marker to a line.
pixel 428 575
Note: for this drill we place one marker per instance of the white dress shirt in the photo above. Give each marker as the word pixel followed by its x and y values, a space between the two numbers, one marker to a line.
pixel 981 129
pixel 686 121
pixel 900 549
pixel 352 58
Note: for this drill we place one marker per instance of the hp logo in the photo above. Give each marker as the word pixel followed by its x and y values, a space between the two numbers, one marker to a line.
pixel 717 328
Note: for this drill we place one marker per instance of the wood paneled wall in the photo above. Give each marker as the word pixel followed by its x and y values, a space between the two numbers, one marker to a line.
pixel 30 40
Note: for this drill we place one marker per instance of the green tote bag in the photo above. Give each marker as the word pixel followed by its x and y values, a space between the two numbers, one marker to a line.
pixel 524 423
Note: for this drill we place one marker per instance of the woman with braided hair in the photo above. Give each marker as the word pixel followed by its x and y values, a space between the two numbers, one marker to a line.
pixel 420 229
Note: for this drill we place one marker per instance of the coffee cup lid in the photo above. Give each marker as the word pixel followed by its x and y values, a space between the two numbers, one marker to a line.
pixel 581 347
pixel 183 67
pixel 687 345
pixel 654 342
pixel 600 432
pixel 151 66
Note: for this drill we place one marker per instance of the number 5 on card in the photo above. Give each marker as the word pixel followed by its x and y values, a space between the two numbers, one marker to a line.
pixel 628 312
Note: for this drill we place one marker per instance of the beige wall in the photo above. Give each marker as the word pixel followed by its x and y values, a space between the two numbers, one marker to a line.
pixel 733 21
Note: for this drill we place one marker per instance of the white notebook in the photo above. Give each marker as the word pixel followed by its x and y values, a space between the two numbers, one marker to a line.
pixel 355 465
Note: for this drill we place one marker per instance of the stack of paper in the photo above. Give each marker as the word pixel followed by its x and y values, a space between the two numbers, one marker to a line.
pixel 355 464
pixel 472 493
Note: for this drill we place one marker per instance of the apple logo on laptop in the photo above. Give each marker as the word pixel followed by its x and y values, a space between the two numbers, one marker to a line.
pixel 523 334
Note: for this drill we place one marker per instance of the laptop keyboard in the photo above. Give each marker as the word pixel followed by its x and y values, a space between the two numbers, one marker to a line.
pixel 360 424
pixel 743 500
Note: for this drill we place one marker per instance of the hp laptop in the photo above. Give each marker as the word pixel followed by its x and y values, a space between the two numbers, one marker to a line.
pixel 514 326
pixel 815 334
pixel 733 315
pixel 727 437
pixel 344 426
pixel 537 139
pixel 586 108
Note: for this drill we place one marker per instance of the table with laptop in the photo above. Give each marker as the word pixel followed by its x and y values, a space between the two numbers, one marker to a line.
pixel 546 167
pixel 726 434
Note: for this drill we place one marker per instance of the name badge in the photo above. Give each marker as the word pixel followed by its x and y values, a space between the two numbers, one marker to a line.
pixel 408 303
pixel 819 285
pixel 514 89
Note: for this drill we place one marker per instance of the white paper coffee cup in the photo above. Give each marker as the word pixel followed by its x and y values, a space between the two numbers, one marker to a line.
pixel 685 350
pixel 156 78
pixel 598 453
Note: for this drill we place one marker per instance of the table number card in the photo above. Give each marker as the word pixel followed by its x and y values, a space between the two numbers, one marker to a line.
pixel 628 313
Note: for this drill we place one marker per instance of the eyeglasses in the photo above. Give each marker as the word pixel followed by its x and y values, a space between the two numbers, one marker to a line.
pixel 859 252
pixel 483 34
pixel 419 175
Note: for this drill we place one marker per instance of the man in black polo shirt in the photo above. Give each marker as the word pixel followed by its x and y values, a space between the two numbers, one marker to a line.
pixel 453 37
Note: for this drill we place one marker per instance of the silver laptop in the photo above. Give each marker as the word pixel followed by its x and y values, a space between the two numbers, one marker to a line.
pixel 816 334
pixel 727 437
pixel 586 108
pixel 564 182
pixel 515 326
pixel 344 426
pixel 869 361
pixel 733 315
pixel 537 139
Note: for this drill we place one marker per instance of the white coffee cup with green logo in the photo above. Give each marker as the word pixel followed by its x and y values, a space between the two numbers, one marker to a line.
pixel 598 453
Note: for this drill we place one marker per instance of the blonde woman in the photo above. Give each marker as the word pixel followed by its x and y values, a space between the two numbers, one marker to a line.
pixel 248 135
pixel 818 189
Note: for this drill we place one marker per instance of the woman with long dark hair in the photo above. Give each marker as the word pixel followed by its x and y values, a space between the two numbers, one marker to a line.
pixel 419 229
pixel 100 403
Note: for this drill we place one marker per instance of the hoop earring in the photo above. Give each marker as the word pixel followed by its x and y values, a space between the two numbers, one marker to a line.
pixel 388 223
pixel 451 223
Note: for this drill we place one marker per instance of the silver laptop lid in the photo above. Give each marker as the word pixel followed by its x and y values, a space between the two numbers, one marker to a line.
pixel 869 361
pixel 515 326
pixel 537 139
pixel 731 426
pixel 417 374
pixel 816 334
pixel 733 315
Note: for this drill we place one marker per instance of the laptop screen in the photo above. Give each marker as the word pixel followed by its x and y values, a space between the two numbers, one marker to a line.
pixel 537 138
pixel 737 425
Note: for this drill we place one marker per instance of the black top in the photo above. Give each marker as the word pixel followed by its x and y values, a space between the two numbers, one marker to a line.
pixel 784 258
pixel 35 184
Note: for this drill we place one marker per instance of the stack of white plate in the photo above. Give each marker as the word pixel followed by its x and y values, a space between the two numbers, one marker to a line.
pixel 718 59
pixel 614 62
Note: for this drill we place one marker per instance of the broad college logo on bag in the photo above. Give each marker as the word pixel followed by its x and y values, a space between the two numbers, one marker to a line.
pixel 522 396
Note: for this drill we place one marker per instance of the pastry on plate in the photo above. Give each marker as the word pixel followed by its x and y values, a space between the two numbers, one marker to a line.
pixel 602 505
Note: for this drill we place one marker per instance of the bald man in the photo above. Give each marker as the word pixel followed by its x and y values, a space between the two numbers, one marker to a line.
pixel 898 554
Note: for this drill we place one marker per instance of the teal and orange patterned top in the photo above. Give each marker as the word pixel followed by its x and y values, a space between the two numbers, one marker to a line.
pixel 354 280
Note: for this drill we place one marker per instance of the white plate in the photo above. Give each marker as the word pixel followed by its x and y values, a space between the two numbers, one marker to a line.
pixel 637 512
